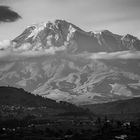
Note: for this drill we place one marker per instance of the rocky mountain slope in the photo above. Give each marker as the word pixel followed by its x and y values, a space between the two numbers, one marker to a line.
pixel 58 60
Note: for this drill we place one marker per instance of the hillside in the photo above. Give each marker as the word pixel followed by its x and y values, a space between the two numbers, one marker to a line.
pixel 12 96
pixel 122 107
pixel 15 96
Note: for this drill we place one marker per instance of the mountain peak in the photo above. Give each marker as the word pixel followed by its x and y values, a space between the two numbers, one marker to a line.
pixel 54 23
pixel 130 37
pixel 131 42
pixel 58 33
pixel 46 34
pixel 100 32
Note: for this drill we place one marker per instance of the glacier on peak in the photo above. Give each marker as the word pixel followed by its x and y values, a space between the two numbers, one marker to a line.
pixel 72 30
pixel 37 29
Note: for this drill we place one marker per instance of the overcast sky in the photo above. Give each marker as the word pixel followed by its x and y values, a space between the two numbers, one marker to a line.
pixel 118 16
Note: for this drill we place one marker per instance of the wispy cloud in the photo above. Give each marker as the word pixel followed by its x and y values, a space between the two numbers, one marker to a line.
pixel 9 53
pixel 116 55
pixel 5 44
pixel 18 55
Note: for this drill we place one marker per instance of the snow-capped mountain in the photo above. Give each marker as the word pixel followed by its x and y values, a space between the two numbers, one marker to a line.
pixel 60 32
pixel 84 67
pixel 47 34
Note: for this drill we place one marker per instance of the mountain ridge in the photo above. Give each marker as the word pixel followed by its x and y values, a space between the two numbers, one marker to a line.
pixel 61 32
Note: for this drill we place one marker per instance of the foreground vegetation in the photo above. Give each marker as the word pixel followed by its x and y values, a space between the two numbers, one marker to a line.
pixel 24 116
pixel 68 128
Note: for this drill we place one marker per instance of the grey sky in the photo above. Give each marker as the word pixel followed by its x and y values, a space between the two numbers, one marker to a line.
pixel 118 16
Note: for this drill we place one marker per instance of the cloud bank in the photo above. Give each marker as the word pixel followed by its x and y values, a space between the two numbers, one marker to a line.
pixel 5 44
pixel 116 55
pixel 9 55
pixel 9 52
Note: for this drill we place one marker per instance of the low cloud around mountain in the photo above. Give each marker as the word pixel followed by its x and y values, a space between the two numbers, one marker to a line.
pixel 10 55
pixel 116 55
pixel 5 44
